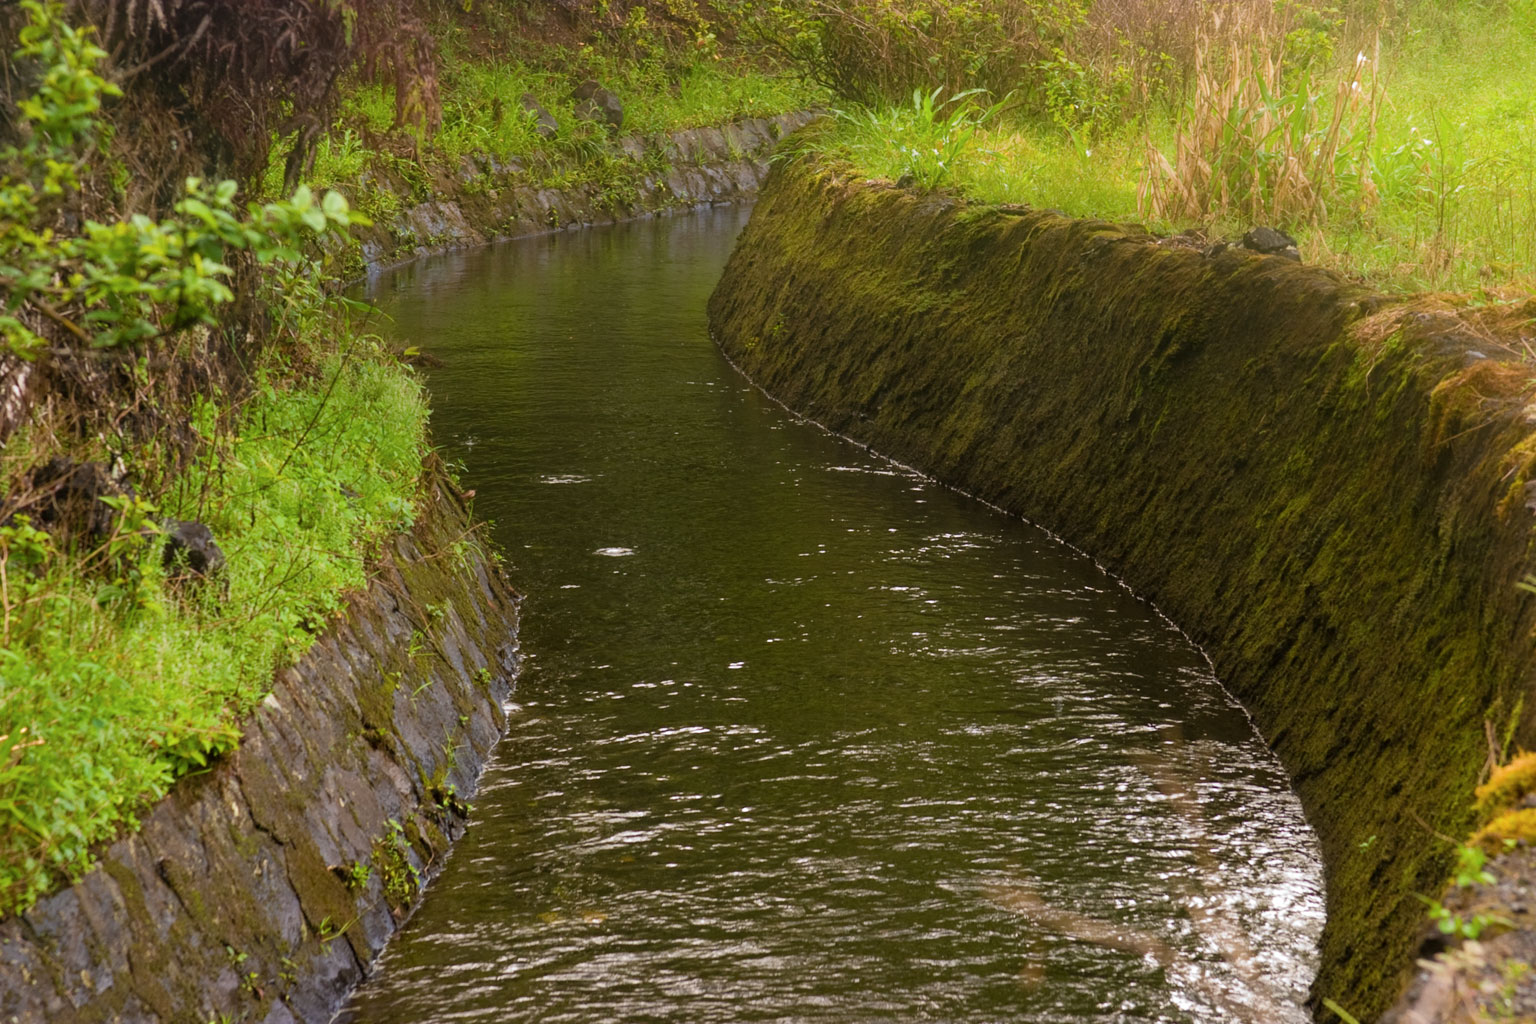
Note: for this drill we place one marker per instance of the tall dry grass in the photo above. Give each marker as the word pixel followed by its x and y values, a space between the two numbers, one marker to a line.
pixel 1105 58
pixel 1262 140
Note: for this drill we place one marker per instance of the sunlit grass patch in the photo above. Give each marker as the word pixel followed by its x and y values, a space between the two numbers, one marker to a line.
pixel 709 93
pixel 1002 161
pixel 1035 165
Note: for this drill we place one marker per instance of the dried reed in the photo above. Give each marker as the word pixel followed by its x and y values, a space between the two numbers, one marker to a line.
pixel 1259 141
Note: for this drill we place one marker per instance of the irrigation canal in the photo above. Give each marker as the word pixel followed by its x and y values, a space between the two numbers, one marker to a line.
pixel 802 736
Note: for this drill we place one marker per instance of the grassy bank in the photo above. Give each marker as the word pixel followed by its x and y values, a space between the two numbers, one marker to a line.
pixel 163 374
pixel 171 353
pixel 1432 185
pixel 118 679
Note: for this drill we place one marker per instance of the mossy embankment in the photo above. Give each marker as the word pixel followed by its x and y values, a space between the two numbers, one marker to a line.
pixel 1330 493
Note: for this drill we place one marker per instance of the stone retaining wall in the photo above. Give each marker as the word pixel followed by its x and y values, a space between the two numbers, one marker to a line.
pixel 490 200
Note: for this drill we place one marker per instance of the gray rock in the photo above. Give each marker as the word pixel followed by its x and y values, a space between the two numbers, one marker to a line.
pixel 1271 242
pixel 633 147
pixel 190 550
pixel 594 103
pixel 543 121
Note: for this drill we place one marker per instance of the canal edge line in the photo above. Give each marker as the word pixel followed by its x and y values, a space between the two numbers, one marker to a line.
pixel 264 888
pixel 1325 488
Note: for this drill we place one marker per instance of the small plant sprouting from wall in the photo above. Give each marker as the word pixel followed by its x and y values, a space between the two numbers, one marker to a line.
pixel 392 859
pixel 358 875
pixel 1471 871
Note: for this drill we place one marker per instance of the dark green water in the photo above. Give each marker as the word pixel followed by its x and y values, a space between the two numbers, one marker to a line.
pixel 803 736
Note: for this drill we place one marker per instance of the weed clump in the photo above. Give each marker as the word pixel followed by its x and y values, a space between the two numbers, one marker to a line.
pixel 1259 140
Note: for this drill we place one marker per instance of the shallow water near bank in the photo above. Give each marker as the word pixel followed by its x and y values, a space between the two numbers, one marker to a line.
pixel 801 735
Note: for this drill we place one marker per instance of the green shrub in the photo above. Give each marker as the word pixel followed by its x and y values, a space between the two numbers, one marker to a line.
pixel 138 279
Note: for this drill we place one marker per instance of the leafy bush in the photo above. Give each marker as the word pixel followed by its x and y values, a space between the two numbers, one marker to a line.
pixel 135 280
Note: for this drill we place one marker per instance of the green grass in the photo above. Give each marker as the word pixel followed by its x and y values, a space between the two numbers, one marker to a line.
pixel 709 92
pixel 1004 161
pixel 482 112
pixel 1453 163
pixel 1455 160
pixel 115 683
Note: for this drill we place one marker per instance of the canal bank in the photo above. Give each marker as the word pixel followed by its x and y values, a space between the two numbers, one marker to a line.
pixel 264 887
pixel 491 200
pixel 1327 490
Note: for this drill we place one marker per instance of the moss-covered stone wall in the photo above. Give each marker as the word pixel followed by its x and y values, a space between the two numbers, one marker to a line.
pixel 263 889
pixel 1330 492
pixel 491 201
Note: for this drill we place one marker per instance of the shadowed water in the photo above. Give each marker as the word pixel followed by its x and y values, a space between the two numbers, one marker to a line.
pixel 801 735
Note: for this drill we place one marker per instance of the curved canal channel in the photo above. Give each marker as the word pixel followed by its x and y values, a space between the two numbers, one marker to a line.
pixel 802 736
